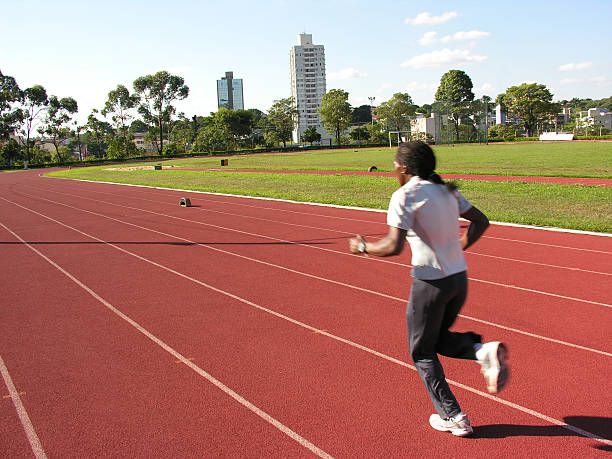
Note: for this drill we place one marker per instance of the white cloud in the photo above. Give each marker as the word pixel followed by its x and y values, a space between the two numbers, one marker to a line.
pixel 486 89
pixel 443 57
pixel 413 86
pixel 461 36
pixel 382 88
pixel 427 19
pixel 597 81
pixel 346 74
pixel 428 38
pixel 573 66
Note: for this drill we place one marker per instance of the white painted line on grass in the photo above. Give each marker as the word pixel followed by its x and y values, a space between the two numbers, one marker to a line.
pixel 237 397
pixel 515 406
pixel 37 448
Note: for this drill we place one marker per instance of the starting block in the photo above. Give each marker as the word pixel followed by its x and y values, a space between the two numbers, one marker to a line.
pixel 224 162
pixel 185 202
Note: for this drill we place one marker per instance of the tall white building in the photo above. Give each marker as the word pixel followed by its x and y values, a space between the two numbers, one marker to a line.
pixel 307 68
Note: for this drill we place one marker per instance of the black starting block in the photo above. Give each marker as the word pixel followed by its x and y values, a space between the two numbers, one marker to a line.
pixel 185 202
pixel 224 162
pixel 372 169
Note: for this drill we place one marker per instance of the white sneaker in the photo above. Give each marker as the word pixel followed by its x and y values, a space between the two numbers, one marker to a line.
pixel 492 358
pixel 459 425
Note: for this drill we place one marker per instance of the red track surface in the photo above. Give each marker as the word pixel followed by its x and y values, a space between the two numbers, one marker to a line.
pixel 133 327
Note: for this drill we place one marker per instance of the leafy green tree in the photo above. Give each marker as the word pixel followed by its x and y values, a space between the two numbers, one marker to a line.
pixel 425 109
pixel 532 104
pixel 377 132
pixel 455 90
pixel 257 115
pixel 59 114
pixel 10 152
pixel 336 113
pixel 360 133
pixel 210 137
pixel 10 114
pixel 502 132
pixel 119 106
pixel 362 114
pixel 311 135
pixel 235 124
pixel 121 148
pixel 271 138
pixel 34 102
pixel 139 126
pixel 158 92
pixel 98 134
pixel 396 112
pixel 282 119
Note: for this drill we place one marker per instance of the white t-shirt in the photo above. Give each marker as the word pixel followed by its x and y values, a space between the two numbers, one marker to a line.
pixel 429 212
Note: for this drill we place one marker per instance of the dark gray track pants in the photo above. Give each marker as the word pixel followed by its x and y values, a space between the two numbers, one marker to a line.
pixel 432 310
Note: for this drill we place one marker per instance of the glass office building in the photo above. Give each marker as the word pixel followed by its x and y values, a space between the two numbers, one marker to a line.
pixel 229 92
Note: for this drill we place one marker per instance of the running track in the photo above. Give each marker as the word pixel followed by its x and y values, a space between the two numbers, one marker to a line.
pixel 133 327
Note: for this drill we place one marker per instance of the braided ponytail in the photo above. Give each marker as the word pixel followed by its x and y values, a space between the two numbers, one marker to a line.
pixel 419 159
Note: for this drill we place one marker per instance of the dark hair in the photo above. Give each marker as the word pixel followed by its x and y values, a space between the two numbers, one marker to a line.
pixel 419 159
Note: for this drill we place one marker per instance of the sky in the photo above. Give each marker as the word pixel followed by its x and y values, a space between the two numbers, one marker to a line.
pixel 84 49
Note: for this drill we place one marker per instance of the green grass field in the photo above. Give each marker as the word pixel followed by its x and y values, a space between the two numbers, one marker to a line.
pixel 576 159
pixel 563 206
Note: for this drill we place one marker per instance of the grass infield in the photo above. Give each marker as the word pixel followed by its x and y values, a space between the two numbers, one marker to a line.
pixel 565 206
pixel 576 159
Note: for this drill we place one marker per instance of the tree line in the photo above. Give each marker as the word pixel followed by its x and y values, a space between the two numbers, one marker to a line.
pixel 150 108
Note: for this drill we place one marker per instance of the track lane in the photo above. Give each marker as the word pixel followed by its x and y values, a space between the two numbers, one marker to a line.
pixel 385 394
pixel 391 278
pixel 107 228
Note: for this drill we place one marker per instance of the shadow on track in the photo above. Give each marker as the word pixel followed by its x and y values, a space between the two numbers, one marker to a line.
pixel 597 425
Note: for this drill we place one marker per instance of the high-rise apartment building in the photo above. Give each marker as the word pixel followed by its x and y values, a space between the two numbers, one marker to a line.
pixel 307 68
pixel 229 92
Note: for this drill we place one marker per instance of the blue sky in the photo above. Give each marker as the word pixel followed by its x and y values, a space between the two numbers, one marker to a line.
pixel 85 49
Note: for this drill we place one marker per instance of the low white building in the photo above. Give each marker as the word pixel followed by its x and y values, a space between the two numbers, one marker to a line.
pixel 596 115
pixel 422 125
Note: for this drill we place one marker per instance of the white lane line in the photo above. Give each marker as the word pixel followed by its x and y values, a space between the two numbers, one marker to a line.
pixel 363 209
pixel 546 265
pixel 373 259
pixel 293 321
pixel 323 279
pixel 35 444
pixel 237 397
pixel 471 252
pixel 550 245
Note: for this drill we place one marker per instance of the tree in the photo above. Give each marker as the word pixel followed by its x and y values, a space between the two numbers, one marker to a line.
pixel 336 112
pixel 34 101
pixel 10 152
pixel 98 134
pixel 159 91
pixel 118 106
pixel 311 135
pixel 531 103
pixel 396 112
pixel 59 114
pixel 10 115
pixel 362 114
pixel 360 133
pixel 282 119
pixel 455 91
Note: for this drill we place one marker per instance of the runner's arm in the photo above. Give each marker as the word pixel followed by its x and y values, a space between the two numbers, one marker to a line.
pixel 478 224
pixel 391 244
